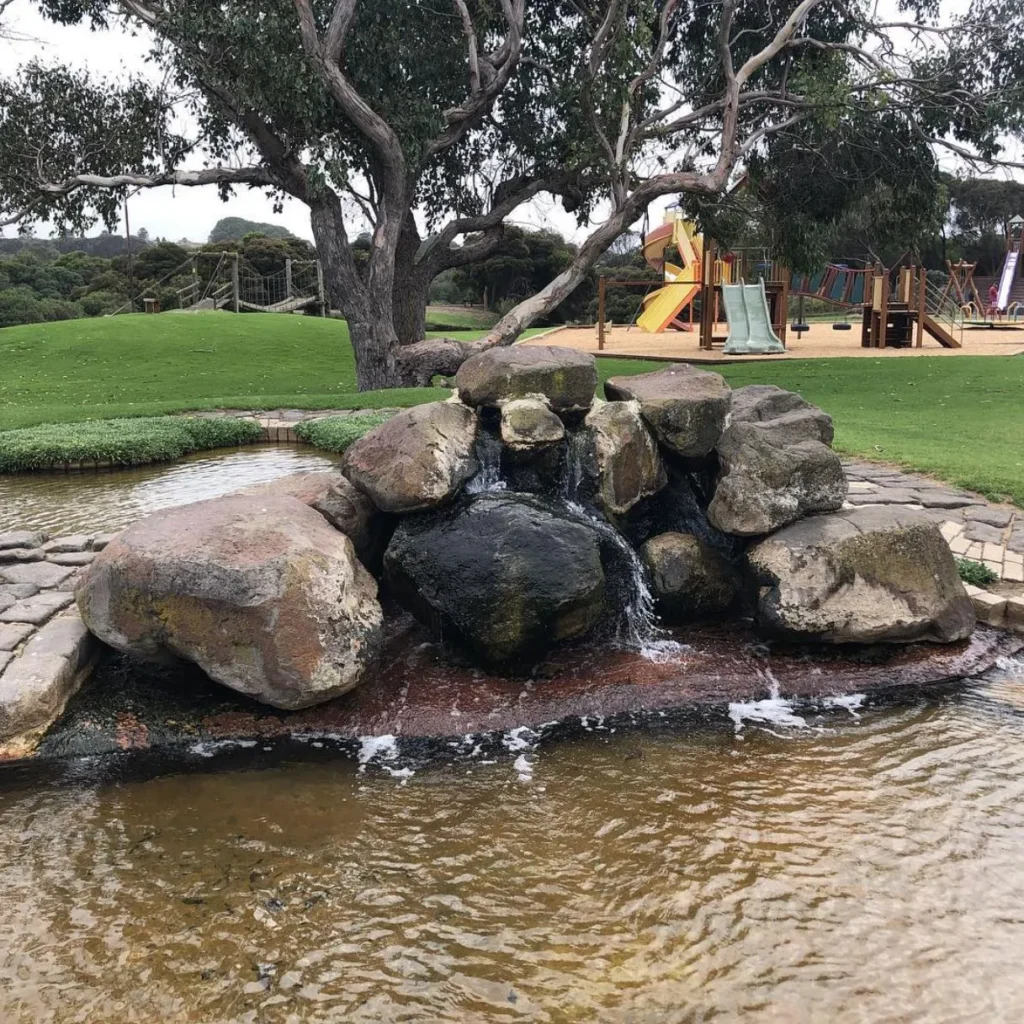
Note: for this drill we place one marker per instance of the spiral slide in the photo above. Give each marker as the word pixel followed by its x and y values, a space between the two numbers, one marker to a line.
pixel 663 307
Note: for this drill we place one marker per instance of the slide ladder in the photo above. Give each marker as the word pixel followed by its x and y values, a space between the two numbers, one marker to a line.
pixel 750 324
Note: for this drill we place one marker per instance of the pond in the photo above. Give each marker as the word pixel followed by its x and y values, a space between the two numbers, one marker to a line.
pixel 109 500
pixel 864 867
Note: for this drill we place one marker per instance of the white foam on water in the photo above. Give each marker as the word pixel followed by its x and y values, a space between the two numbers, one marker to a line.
pixel 852 702
pixel 382 748
pixel 663 652
pixel 524 767
pixel 210 748
pixel 770 711
pixel 522 737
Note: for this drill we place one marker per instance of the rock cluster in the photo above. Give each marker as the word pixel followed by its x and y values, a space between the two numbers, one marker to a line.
pixel 505 519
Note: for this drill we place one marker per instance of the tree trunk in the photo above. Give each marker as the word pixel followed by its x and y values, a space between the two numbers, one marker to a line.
pixel 367 306
pixel 409 305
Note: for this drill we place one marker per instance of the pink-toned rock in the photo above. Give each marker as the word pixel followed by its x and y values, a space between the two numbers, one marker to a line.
pixel 260 592
pixel 338 501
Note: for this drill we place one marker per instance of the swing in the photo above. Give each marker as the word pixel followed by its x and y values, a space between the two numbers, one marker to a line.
pixel 800 326
pixel 844 324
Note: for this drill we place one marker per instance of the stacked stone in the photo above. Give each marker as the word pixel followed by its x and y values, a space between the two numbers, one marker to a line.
pixel 45 647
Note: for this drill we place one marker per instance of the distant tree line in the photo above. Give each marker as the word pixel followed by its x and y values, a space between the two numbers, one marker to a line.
pixel 63 279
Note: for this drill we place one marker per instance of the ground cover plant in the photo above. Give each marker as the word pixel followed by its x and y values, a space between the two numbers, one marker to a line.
pixel 122 442
pixel 336 433
pixel 975 573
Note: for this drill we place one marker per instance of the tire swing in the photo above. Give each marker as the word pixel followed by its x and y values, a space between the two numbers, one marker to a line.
pixel 843 324
pixel 801 326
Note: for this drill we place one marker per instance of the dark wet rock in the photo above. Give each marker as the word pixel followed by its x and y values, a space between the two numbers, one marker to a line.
pixel 418 459
pixel 689 579
pixel 866 575
pixel 507 574
pixel 260 592
pixel 529 426
pixel 773 474
pixel 685 407
pixel 565 377
pixel 11 555
pixel 344 506
pixel 626 458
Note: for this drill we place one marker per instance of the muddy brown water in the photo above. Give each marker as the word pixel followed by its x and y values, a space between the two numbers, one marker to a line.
pixel 867 865
pixel 109 500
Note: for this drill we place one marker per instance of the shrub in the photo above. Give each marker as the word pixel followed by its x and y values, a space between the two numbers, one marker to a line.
pixel 975 573
pixel 123 442
pixel 336 433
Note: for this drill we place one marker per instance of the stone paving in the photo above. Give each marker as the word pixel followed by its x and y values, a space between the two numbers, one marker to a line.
pixel 973 527
pixel 45 649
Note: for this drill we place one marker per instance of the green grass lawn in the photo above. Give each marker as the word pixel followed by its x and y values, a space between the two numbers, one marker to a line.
pixel 960 418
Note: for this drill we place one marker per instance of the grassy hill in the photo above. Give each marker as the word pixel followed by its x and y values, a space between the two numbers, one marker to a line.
pixel 960 418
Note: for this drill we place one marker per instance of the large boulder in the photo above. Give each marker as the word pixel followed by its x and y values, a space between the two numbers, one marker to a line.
pixel 507 574
pixel 416 460
pixel 565 377
pixel 789 412
pixel 775 463
pixel 867 575
pixel 685 407
pixel 528 426
pixel 260 592
pixel 689 579
pixel 335 498
pixel 626 457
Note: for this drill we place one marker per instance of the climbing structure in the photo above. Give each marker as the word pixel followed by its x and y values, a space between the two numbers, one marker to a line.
pixel 663 308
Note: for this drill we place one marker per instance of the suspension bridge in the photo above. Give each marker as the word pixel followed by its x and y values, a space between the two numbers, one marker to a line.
pixel 298 285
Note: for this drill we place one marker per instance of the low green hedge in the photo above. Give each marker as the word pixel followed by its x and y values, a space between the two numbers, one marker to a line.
pixel 336 433
pixel 123 442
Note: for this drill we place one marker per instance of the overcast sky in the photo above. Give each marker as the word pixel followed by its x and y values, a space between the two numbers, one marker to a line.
pixel 192 212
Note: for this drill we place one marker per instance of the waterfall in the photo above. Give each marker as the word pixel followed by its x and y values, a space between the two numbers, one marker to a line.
pixel 488 454
pixel 573 471
pixel 637 626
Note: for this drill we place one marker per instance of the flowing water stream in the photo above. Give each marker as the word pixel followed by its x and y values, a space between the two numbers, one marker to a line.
pixel 863 866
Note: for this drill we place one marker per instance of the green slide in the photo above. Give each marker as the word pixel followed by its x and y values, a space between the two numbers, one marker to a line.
pixel 750 324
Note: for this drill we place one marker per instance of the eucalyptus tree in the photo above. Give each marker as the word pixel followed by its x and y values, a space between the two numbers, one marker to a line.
pixel 462 111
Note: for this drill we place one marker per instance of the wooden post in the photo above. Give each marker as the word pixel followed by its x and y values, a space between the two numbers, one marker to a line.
pixel 922 300
pixel 234 283
pixel 287 279
pixel 320 288
pixel 783 305
pixel 707 294
pixel 601 288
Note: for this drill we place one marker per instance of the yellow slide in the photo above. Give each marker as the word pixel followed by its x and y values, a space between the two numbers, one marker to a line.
pixel 682 284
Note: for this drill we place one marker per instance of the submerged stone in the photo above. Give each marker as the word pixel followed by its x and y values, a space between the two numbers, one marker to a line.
pixel 865 575
pixel 509 575
pixel 563 376
pixel 260 592
pixel 685 407
pixel 416 460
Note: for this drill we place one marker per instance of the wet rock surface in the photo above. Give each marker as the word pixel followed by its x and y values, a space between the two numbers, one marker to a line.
pixel 528 426
pixel 685 407
pixel 689 579
pixel 260 592
pixel 418 459
pixel 507 574
pixel 563 376
pixel 421 694
pixel 861 576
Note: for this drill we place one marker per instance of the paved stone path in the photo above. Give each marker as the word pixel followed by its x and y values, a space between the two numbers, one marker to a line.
pixel 973 527
pixel 45 649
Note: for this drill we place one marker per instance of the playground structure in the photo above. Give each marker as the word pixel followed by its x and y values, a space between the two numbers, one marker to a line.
pixel 299 285
pixel 899 306
pixel 977 307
